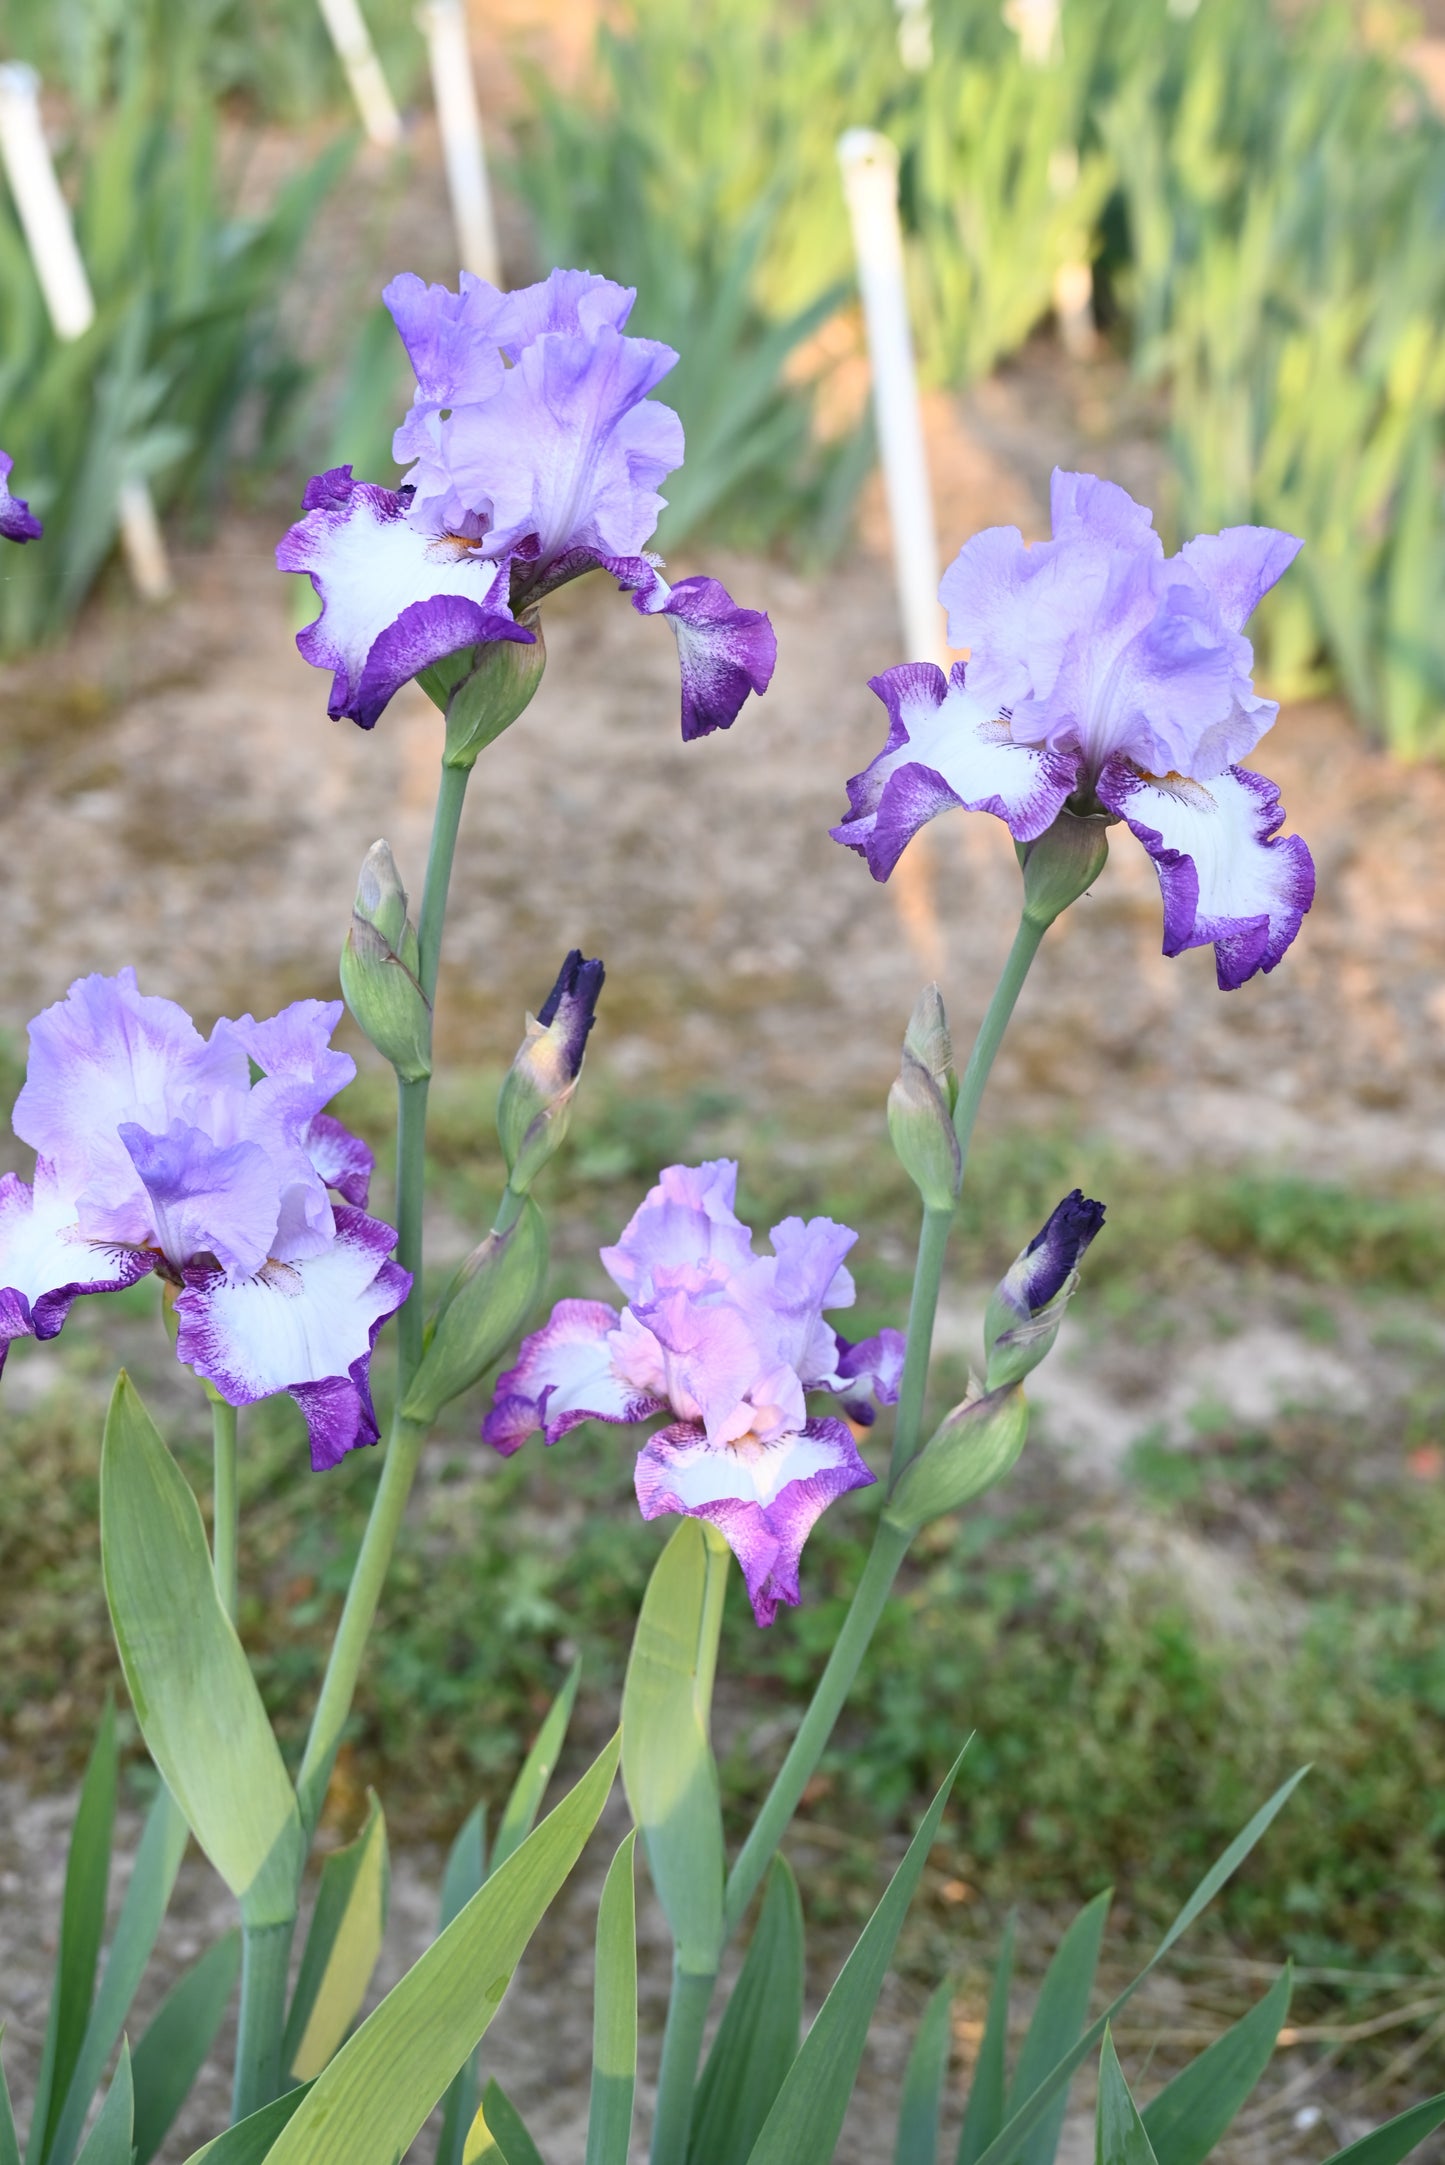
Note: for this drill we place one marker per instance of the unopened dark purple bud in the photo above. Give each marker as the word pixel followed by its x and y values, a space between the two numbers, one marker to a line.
pixel 1053 1255
pixel 572 1006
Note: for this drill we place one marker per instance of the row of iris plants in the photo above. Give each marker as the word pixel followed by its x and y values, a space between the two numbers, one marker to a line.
pixel 1109 691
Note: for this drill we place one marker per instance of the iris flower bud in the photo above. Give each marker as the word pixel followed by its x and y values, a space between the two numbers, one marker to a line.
pixel 481 1313
pixel 1066 859
pixel 535 1107
pixel 974 1447
pixel 1028 1305
pixel 484 688
pixel 921 1102
pixel 379 969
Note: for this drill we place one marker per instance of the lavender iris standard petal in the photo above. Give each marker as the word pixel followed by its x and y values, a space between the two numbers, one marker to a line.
pixel 208 1160
pixel 728 1343
pixel 1107 675
pixel 17 521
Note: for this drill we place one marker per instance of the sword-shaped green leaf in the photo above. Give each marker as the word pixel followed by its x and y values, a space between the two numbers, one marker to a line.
pixel 520 1813
pixel 109 2141
pixel 466 1869
pixel 1119 2137
pixel 506 2127
pixel 989 2087
pixel 614 2014
pixel 807 2116
pixel 757 2039
pixel 1058 2023
pixel 9 2140
pixel 341 1948
pixel 1397 2138
pixel 251 2140
pixel 921 2107
pixel 82 1925
pixel 1191 2113
pixel 191 1685
pixel 181 2033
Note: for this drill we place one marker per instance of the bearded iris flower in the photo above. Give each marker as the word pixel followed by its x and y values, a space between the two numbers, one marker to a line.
pixel 726 1342
pixel 209 1161
pixel 536 454
pixel 1108 677
pixel 17 521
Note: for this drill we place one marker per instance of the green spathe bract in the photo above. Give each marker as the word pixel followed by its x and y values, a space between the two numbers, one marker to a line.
pixel 481 1313
pixel 974 1448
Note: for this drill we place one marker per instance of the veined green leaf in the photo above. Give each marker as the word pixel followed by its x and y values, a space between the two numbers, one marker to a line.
pixel 82 1924
pixel 466 1869
pixel 191 1685
pixel 757 2039
pixel 1119 2138
pixel 181 2033
pixel 147 1897
pixel 251 2140
pixel 525 1801
pixel 614 2014
pixel 505 2123
pixel 984 2117
pixel 1188 2117
pixel 807 2116
pixel 109 2141
pixel 923 2079
pixel 1397 2138
pixel 1004 2147
pixel 372 2099
pixel 341 1949
pixel 667 1760
pixel 1058 2023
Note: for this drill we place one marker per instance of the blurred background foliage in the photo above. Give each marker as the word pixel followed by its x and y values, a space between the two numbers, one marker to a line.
pixel 1261 194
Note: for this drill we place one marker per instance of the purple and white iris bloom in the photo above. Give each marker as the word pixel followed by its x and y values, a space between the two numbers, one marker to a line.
pixel 727 1343
pixel 1104 675
pixel 157 1151
pixel 17 521
pixel 536 455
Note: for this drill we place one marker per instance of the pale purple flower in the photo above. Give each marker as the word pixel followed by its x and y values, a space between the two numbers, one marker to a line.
pixel 17 521
pixel 727 1343
pixel 157 1150
pixel 1104 674
pixel 536 455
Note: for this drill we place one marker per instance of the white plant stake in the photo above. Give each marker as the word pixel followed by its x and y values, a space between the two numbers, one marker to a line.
pixel 45 218
pixel 444 25
pixel 357 54
pixel 870 184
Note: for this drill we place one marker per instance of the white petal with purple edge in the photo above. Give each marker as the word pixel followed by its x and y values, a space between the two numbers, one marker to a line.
pixel 1227 874
pixel 45 1265
pixel 724 651
pixel 564 1375
pixel 944 748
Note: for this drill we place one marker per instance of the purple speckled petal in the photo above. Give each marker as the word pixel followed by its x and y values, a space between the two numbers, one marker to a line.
pixel 688 1221
pixel 724 651
pixel 45 1265
pixel 1227 874
pixel 396 596
pixel 17 521
pixel 294 1324
pixel 945 748
pixel 342 1159
pixel 206 1198
pixel 564 1375
pixel 764 1499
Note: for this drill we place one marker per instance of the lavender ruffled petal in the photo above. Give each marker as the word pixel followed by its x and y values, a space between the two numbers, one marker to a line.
pixel 764 1499
pixel 687 1220
pixel 206 1197
pixel 1227 874
pixel 564 1375
pixel 17 521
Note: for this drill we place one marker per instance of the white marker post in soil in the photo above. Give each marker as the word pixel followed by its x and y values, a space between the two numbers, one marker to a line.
pixel 444 25
pixel 369 87
pixel 870 185
pixel 45 220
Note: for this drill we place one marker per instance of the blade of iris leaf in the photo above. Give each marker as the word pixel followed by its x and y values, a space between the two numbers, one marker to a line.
pixel 808 2113
pixel 374 2097
pixel 506 2127
pixel 482 2146
pixel 1120 2138
pixel 1058 2023
pixel 251 2140
pixel 177 2041
pixel 1191 2113
pixel 984 2117
pixel 341 1948
pixel 1397 2138
pixel 921 2106
pixel 520 1813
pixel 757 2039
pixel 190 1682
pixel 466 1869
pixel 614 2013
pixel 82 1924
pixel 9 2140
pixel 109 2141
pixel 1002 2150
pixel 147 1897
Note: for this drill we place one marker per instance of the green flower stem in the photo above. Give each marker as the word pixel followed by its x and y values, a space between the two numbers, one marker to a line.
pixel 890 1542
pixel 265 1962
pixel 224 1512
pixel 681 2051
